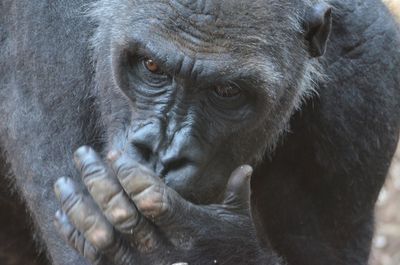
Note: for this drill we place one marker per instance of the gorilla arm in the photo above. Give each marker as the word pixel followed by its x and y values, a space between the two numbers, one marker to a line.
pixel 140 220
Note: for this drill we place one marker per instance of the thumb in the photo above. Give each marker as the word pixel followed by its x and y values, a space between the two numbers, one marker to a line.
pixel 238 189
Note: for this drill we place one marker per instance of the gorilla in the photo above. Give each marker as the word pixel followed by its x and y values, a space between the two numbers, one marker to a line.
pixel 207 132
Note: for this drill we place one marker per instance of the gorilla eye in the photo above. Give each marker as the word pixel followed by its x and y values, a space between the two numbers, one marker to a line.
pixel 152 66
pixel 227 91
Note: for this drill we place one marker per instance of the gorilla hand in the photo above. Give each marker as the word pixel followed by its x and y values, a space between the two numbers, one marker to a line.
pixel 134 218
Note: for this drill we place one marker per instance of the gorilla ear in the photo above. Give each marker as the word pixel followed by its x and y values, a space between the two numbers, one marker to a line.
pixel 318 25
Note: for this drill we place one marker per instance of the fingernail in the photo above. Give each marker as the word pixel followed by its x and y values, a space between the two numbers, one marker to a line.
pixel 63 188
pixel 57 186
pixel 247 170
pixel 79 154
pixel 59 215
pixel 59 220
pixel 81 151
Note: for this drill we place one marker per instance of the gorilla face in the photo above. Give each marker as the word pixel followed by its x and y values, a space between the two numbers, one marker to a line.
pixel 192 90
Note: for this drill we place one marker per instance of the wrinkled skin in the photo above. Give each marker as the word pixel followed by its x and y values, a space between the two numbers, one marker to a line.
pixel 154 224
pixel 190 118
pixel 183 93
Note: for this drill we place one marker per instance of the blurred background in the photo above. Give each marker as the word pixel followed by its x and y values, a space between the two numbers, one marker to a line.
pixel 386 245
pixel 394 5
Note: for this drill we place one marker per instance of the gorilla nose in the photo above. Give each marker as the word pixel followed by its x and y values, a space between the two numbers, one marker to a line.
pixel 145 142
pixel 166 154
pixel 173 159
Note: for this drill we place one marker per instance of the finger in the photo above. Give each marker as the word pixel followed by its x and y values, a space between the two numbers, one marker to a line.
pixel 112 200
pixel 156 201
pixel 76 240
pixel 105 190
pixel 88 220
pixel 83 214
pixel 238 189
pixel 151 196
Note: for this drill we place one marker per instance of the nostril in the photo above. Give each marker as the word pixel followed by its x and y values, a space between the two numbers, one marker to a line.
pixel 144 151
pixel 174 165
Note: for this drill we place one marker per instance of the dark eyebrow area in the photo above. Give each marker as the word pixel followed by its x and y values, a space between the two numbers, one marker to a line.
pixel 178 61
pixel 208 70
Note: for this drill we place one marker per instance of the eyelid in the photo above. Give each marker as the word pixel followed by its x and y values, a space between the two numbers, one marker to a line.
pixel 227 88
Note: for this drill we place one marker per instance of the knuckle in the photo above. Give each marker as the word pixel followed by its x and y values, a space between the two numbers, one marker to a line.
pixel 105 191
pixel 93 226
pixel 127 224
pixel 93 170
pixel 100 236
pixel 152 202
pixel 73 238
pixel 128 170
pixel 114 199
pixel 122 217
pixel 125 171
pixel 72 203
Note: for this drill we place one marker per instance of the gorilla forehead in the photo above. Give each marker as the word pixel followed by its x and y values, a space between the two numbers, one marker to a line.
pixel 223 23
pixel 206 29
pixel 206 12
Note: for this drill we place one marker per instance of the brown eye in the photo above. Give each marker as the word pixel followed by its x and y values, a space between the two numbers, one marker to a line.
pixel 227 92
pixel 152 66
